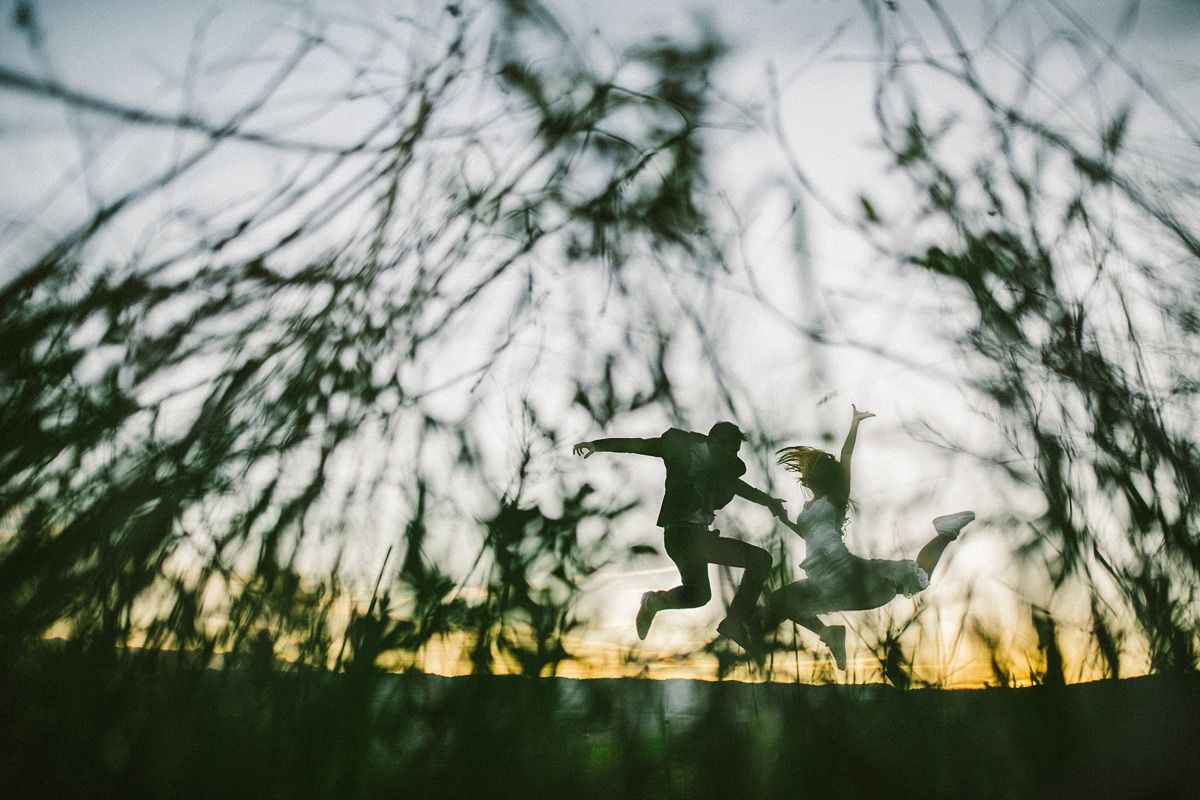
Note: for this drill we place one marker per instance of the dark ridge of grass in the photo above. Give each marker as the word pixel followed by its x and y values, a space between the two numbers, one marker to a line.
pixel 99 725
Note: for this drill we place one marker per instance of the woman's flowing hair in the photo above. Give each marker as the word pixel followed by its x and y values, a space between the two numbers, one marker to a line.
pixel 818 468
pixel 800 460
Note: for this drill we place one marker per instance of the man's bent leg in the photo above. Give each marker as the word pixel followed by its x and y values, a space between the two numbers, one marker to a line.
pixel 693 592
pixel 754 560
pixel 684 544
pixel 740 624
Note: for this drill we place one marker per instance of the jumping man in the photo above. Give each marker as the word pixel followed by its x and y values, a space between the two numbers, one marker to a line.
pixel 703 475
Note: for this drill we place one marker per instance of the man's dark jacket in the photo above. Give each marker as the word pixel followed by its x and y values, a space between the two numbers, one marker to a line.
pixel 721 476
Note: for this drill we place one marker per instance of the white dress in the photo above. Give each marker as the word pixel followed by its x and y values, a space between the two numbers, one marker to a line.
pixel 838 580
pixel 821 526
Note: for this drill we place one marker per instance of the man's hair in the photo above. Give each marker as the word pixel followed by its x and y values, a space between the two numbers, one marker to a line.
pixel 727 430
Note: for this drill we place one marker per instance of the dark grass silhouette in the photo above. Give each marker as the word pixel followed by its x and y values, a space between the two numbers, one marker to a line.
pixel 269 397
pixel 1091 384
pixel 159 725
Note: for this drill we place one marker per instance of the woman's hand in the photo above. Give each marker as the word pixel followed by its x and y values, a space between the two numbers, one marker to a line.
pixel 859 416
pixel 584 449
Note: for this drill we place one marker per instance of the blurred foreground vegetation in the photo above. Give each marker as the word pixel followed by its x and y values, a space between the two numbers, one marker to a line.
pixel 194 437
pixel 159 725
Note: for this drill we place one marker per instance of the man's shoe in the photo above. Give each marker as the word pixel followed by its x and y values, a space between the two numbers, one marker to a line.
pixel 950 524
pixel 646 612
pixel 834 638
pixel 738 630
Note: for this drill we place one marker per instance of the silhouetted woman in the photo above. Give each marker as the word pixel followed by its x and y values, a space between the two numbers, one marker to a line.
pixel 837 579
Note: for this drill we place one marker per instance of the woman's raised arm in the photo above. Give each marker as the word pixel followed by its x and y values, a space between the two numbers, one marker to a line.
pixel 848 446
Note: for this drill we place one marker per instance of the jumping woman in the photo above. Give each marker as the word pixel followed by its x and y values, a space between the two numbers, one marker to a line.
pixel 838 580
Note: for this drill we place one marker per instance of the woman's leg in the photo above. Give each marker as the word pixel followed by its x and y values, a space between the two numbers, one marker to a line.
pixel 931 553
pixel 812 623
pixel 947 527
pixel 795 602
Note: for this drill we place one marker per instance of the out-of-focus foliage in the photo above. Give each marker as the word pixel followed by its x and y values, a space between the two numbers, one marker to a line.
pixel 179 431
pixel 186 433
pixel 151 728
pixel 1082 269
pixel 193 438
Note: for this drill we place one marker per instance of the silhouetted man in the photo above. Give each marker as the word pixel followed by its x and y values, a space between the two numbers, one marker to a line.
pixel 703 475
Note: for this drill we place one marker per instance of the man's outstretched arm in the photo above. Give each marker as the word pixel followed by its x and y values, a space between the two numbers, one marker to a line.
pixel 643 447
pixel 762 498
